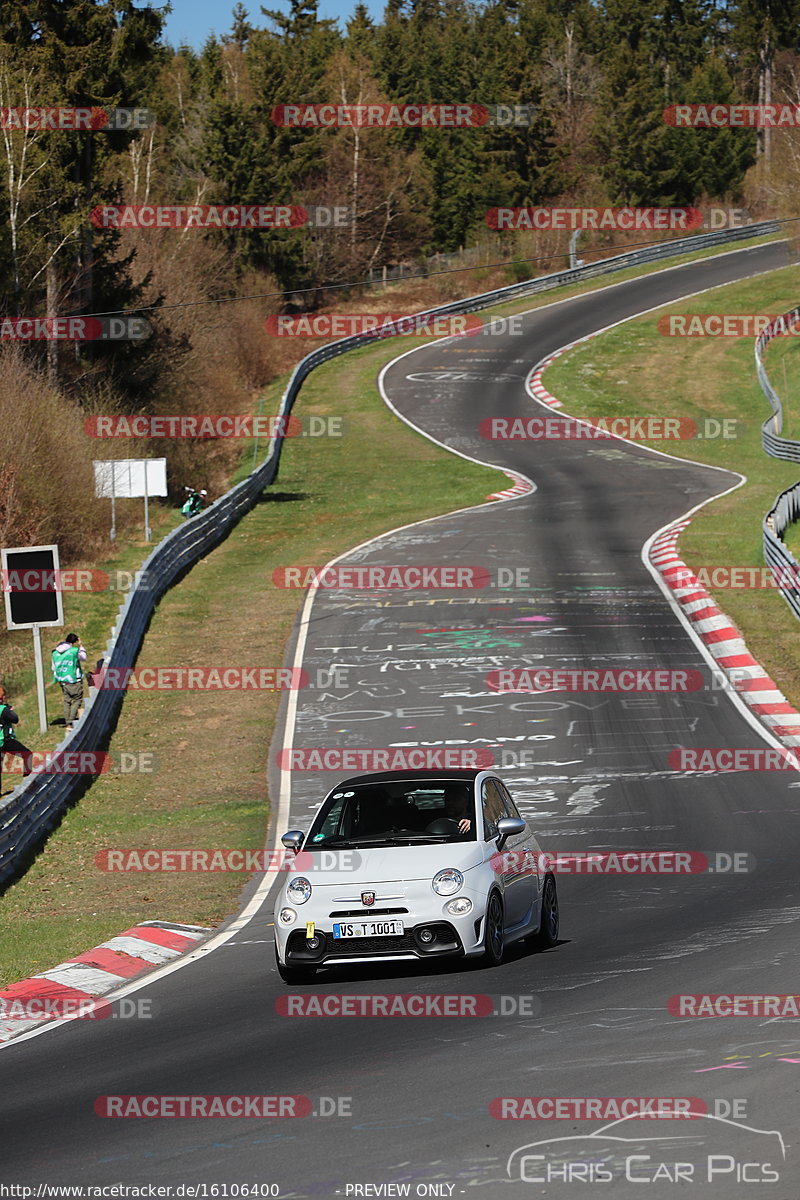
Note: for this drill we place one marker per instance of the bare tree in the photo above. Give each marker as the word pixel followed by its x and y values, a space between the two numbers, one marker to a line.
pixel 141 155
pixel 23 162
pixel 570 81
pixel 384 187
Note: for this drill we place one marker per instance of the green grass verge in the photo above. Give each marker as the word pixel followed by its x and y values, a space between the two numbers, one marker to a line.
pixel 635 370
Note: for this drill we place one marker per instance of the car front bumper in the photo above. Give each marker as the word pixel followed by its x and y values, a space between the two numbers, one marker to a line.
pixel 460 935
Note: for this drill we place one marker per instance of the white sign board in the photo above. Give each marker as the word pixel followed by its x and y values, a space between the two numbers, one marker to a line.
pixel 128 477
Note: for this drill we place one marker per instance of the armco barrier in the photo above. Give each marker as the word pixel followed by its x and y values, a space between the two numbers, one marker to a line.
pixel 784 511
pixel 36 806
pixel 775 445
pixel 777 555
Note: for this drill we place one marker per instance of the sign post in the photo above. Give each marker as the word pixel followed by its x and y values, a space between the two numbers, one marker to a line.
pixel 37 658
pixel 146 514
pixel 113 534
pixel 32 595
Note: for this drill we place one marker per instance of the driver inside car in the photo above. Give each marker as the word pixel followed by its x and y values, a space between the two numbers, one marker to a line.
pixel 454 819
pixel 456 808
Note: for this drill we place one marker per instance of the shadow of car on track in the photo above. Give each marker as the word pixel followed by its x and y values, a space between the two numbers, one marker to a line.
pixel 515 953
pixel 424 969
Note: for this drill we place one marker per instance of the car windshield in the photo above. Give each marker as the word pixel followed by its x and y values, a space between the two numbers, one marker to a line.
pixel 401 813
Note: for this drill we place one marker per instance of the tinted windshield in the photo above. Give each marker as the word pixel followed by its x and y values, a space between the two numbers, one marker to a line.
pixel 401 813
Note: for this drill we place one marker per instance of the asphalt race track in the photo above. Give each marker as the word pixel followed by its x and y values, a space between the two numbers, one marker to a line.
pixel 589 1018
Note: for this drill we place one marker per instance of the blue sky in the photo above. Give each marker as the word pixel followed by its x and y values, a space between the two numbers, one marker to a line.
pixel 191 21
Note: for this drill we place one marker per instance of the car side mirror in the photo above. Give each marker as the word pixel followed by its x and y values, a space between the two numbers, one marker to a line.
pixel 507 827
pixel 293 839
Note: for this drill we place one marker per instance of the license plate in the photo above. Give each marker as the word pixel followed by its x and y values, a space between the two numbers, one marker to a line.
pixel 357 929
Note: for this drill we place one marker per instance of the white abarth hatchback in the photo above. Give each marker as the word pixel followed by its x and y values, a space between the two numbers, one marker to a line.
pixel 412 865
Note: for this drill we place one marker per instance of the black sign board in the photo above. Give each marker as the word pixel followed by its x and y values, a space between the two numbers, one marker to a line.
pixel 31 586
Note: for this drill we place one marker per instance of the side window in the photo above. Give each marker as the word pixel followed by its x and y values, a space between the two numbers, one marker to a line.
pixel 493 808
pixel 511 808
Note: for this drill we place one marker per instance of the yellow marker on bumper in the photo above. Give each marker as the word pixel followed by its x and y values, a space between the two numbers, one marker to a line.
pixel 309 929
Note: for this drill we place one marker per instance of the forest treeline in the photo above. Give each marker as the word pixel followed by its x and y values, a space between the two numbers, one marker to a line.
pixel 594 77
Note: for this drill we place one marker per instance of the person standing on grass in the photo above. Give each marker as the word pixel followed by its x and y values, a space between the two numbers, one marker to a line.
pixel 66 659
pixel 8 743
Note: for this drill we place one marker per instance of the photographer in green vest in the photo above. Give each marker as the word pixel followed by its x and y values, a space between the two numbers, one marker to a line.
pixel 194 503
pixel 8 743
pixel 66 660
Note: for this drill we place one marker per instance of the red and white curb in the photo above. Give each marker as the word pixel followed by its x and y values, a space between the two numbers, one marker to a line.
pixel 723 640
pixel 535 385
pixel 73 985
pixel 521 487
pixel 747 677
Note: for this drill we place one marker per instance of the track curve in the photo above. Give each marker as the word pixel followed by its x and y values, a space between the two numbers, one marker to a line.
pixel 591 1015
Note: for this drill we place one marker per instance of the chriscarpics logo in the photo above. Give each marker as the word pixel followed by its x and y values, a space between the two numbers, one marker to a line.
pixel 727 1157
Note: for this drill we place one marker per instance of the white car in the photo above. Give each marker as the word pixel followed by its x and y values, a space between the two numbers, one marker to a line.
pixel 412 865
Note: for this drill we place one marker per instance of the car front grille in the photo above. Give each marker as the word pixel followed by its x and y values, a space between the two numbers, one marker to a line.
pixel 367 912
pixel 356 947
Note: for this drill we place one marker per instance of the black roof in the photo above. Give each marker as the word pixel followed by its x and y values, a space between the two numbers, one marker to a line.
pixel 468 774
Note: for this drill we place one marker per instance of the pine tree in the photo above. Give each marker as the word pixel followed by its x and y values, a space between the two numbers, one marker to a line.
pixel 715 160
pixel 361 30
pixel 252 159
pixel 241 28
pixel 301 21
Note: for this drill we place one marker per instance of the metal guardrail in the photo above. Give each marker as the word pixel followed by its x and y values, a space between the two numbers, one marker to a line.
pixel 785 567
pixel 775 445
pixel 37 805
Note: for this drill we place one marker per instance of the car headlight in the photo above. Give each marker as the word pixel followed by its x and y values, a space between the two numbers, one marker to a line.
pixel 299 890
pixel 287 916
pixel 447 882
pixel 459 907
